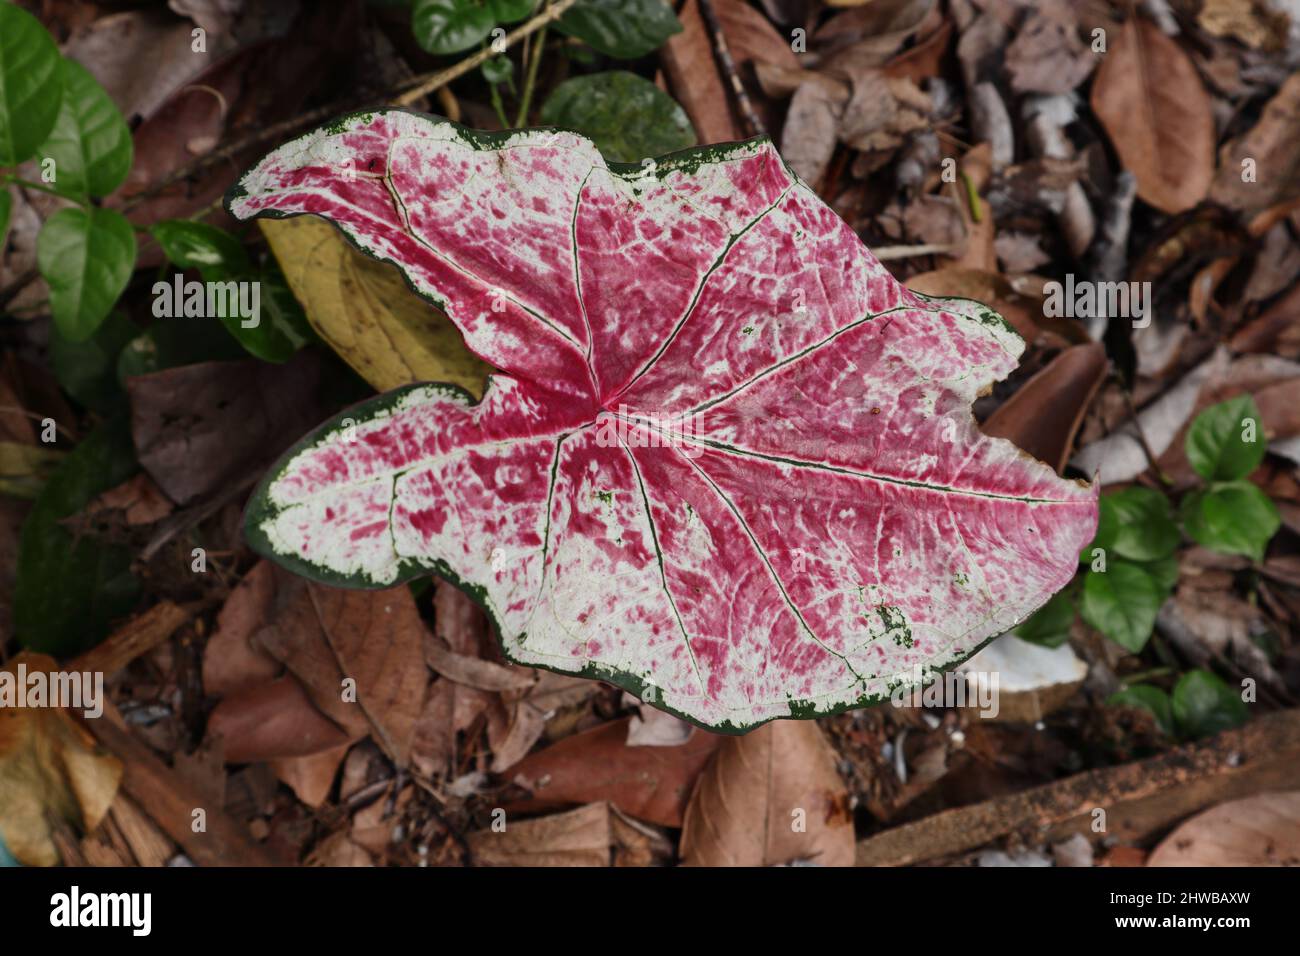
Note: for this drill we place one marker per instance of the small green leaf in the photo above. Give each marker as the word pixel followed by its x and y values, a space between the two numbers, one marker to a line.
pixel 88 370
pixel 31 84
pixel 273 327
pixel 510 11
pixel 71 587
pixel 282 328
pixel 1226 441
pixel 1107 528
pixel 1144 528
pixel 1050 624
pixel 6 202
pixel 86 257
pixel 1146 697
pixel 1234 518
pixel 498 69
pixel 450 26
pixel 625 29
pixel 215 253
pixel 90 143
pixel 1204 705
pixel 1122 603
pixel 1164 571
pixel 628 117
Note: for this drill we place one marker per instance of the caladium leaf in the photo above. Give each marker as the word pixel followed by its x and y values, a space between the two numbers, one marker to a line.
pixel 730 464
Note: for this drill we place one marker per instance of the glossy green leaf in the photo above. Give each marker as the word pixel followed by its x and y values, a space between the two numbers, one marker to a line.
pixel 86 257
pixel 510 11
pixel 1122 603
pixel 215 253
pixel 450 26
pixel 1234 518
pixel 1226 441
pixel 1146 697
pixel 31 84
pixel 282 328
pixel 628 117
pixel 1144 528
pixel 1050 624
pixel 70 588
pixel 90 143
pixel 1204 705
pixel 1164 571
pixel 257 308
pixel 625 29
pixel 498 69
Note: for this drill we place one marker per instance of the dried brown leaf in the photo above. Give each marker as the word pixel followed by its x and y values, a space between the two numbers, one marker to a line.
pixel 1149 98
pixel 772 796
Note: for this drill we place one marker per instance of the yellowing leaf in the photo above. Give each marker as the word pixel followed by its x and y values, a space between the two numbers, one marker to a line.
pixel 367 313
pixel 24 468
pixel 49 769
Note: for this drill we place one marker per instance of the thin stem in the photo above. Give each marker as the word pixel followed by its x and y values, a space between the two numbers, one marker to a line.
pixel 495 92
pixel 1140 676
pixel 28 184
pixel 530 81
pixel 427 85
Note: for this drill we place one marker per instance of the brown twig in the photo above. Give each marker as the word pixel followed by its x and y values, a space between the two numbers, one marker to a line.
pixel 1136 797
pixel 753 124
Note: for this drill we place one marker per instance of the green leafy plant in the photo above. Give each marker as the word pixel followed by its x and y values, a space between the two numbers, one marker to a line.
pixel 626 116
pixel 53 111
pixel 1131 567
pixel 1201 705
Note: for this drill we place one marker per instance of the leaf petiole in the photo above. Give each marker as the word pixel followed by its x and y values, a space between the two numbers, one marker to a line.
pixel 41 187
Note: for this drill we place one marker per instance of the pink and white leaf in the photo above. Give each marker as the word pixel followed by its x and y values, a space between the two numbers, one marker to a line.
pixel 729 462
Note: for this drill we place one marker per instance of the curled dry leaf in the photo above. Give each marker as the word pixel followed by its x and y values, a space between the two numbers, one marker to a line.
pixel 770 797
pixel 140 57
pixel 1047 56
pixel 1269 152
pixel 199 428
pixel 473 671
pixel 580 837
pixel 367 313
pixel 272 720
pixel 1045 413
pixel 231 660
pixel 50 769
pixel 696 83
pixel 870 34
pixel 649 783
pixel 1275 332
pixel 360 656
pixel 811 130
pixel 1149 98
pixel 1263 830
